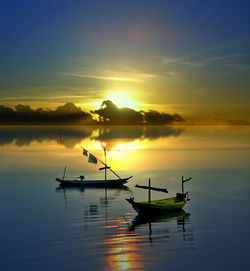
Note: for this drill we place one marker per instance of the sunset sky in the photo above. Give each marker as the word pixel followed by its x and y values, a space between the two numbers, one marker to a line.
pixel 189 57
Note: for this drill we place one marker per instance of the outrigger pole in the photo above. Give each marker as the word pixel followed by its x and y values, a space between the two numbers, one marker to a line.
pixel 183 181
pixel 149 187
pixel 152 188
pixel 105 165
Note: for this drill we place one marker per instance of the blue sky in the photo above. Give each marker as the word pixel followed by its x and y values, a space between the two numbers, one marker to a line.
pixel 191 57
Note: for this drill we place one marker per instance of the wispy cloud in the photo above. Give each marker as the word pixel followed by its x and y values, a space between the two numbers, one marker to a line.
pixel 237 66
pixel 171 75
pixel 206 61
pixel 236 46
pixel 191 60
pixel 215 58
pixel 126 75
pixel 39 98
pixel 100 77
pixel 169 60
pixel 135 77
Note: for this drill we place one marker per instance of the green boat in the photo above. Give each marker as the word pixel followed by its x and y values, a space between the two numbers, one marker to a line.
pixel 167 205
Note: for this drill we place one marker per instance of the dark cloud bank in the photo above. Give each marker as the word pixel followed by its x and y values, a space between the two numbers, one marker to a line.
pixel 108 114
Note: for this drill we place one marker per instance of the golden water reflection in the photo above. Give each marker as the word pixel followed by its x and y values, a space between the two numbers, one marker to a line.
pixel 124 256
pixel 129 148
pixel 72 136
pixel 129 248
pixel 123 251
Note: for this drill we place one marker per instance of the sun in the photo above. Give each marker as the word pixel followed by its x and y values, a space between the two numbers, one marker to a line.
pixel 122 99
pixel 119 98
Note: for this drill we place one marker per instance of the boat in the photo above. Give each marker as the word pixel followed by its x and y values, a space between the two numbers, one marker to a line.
pixel 160 206
pixel 81 181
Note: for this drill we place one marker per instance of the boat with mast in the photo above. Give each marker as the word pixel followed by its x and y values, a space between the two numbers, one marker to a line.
pixel 153 207
pixel 81 181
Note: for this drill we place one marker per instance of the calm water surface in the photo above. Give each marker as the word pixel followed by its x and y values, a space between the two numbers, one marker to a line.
pixel 45 227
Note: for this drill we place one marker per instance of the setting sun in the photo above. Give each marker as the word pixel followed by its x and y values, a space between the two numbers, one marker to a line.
pixel 122 99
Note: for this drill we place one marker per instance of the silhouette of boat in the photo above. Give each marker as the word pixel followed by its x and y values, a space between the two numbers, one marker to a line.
pixel 167 205
pixel 81 181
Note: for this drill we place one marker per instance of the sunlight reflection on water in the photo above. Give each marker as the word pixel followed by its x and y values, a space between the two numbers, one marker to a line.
pixel 49 227
pixel 131 148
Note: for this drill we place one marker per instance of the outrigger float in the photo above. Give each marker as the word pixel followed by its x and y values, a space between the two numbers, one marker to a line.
pixel 154 207
pixel 81 181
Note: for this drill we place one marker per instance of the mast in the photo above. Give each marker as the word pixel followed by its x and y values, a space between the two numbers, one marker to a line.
pixel 64 173
pixel 149 191
pixel 105 165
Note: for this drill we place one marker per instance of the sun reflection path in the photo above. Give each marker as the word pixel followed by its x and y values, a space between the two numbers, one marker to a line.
pixel 124 252
pixel 126 249
pixel 129 148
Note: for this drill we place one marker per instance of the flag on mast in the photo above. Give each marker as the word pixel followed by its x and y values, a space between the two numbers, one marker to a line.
pixel 92 159
pixel 84 152
pixel 104 147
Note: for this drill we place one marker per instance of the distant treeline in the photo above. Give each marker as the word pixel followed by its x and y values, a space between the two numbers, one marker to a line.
pixel 108 114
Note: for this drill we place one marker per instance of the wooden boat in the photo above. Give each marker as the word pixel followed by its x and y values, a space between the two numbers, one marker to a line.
pixel 81 181
pixel 160 206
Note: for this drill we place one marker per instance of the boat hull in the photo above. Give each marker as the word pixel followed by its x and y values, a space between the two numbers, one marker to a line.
pixel 158 206
pixel 112 182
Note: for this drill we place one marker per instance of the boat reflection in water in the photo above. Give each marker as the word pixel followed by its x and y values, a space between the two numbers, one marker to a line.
pixel 125 242
pixel 181 218
pixel 104 199
pixel 130 247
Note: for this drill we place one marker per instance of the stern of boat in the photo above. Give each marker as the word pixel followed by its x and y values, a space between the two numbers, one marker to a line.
pixel 58 180
pixel 131 200
pixel 182 197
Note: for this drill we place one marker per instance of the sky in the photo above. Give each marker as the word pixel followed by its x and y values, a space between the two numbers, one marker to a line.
pixel 191 57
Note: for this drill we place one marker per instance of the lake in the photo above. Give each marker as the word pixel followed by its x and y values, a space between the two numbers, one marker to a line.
pixel 45 227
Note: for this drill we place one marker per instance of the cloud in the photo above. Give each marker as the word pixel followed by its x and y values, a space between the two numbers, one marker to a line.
pixel 98 77
pixel 225 53
pixel 24 114
pixel 191 59
pixel 169 60
pixel 155 117
pixel 114 74
pixel 109 113
pixel 206 61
